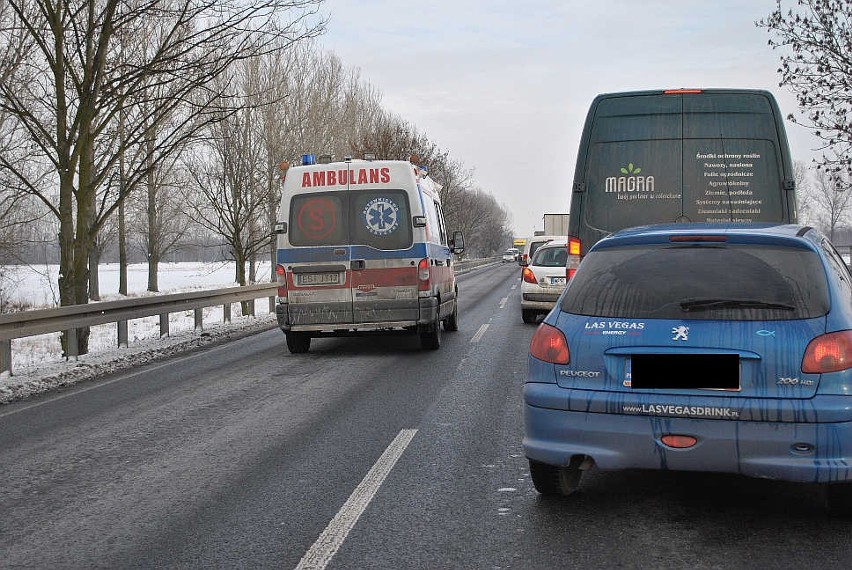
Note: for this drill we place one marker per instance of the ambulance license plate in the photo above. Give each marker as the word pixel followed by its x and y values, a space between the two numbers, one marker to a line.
pixel 318 278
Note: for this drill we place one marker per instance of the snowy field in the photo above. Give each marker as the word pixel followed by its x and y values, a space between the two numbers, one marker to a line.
pixel 37 362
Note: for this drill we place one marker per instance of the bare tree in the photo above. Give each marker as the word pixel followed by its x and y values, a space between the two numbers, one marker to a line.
pixel 829 202
pixel 816 65
pixel 69 113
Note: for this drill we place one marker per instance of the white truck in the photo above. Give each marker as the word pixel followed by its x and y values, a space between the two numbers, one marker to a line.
pixel 556 224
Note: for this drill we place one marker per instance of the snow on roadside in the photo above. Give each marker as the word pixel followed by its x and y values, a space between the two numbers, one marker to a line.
pixel 37 362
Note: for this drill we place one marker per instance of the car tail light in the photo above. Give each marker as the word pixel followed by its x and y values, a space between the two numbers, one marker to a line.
pixel 281 273
pixel 423 275
pixel 528 276
pixel 828 353
pixel 549 344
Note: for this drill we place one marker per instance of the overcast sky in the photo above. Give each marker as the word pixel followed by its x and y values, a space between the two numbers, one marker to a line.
pixel 504 86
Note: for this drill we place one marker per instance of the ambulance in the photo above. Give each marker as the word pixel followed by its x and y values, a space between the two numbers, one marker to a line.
pixel 362 248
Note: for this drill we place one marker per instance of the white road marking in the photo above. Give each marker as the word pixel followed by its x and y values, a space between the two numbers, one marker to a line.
pixel 320 554
pixel 503 302
pixel 515 286
pixel 479 333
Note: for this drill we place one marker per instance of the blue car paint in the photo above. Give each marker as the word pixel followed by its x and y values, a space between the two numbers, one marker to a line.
pixel 795 432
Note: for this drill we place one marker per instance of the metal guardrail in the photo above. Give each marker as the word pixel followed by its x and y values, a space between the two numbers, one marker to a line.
pixel 69 319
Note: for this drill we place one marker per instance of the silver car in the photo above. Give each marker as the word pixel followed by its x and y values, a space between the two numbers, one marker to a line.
pixel 543 280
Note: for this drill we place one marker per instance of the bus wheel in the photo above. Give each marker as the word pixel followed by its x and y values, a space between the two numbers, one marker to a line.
pixel 431 340
pixel 298 342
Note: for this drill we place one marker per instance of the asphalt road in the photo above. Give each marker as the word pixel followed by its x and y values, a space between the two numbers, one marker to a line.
pixel 362 453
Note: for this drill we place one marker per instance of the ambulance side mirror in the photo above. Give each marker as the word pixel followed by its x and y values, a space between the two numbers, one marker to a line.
pixel 457 243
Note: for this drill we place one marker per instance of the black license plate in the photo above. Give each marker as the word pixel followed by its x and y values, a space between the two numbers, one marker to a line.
pixel 685 371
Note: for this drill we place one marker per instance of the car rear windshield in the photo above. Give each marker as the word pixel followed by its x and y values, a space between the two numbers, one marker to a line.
pixel 551 257
pixel 380 219
pixel 706 282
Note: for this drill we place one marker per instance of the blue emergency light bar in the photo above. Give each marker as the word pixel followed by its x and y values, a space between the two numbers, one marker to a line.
pixel 309 159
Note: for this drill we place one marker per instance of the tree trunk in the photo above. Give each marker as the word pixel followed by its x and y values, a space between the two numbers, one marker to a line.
pixel 94 277
pixel 153 226
pixel 122 228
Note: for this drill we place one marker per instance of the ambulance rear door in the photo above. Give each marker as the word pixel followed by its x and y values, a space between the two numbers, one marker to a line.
pixel 319 258
pixel 385 254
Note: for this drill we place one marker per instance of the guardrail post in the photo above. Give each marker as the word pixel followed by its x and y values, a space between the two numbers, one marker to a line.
pixel 6 356
pixel 251 305
pixel 272 305
pixel 199 318
pixel 226 313
pixel 71 336
pixel 122 334
pixel 164 325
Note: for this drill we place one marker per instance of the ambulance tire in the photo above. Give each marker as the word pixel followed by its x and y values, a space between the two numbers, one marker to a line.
pixel 451 323
pixel 431 340
pixel 298 342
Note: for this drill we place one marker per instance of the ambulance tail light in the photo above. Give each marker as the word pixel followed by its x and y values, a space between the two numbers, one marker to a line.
pixel 549 344
pixel 281 275
pixel 528 276
pixel 423 275
pixel 573 258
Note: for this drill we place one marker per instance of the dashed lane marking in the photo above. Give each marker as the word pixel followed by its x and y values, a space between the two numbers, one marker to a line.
pixel 478 336
pixel 323 550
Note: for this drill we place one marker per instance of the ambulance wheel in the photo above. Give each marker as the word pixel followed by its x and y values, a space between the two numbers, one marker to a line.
pixel 431 340
pixel 451 323
pixel 298 342
pixel 554 480
pixel 529 315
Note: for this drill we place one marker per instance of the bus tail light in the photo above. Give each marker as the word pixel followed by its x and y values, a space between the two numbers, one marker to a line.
pixel 573 258
pixel 549 344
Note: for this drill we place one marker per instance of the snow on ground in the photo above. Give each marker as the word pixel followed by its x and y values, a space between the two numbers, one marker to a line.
pixel 37 362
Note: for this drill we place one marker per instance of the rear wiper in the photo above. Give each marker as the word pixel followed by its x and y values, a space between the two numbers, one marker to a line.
pixel 707 304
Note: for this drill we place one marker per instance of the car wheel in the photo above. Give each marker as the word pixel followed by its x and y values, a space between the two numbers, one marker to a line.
pixel 554 480
pixel 839 499
pixel 298 342
pixel 431 340
pixel 529 315
pixel 451 323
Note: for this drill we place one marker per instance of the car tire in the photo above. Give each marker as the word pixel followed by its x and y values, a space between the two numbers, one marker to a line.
pixel 431 340
pixel 529 315
pixel 451 323
pixel 298 342
pixel 839 500
pixel 555 480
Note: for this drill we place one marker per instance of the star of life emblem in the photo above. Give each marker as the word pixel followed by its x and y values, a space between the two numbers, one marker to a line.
pixel 381 216
pixel 680 333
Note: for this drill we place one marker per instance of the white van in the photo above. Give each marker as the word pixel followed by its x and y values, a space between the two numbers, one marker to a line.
pixel 362 248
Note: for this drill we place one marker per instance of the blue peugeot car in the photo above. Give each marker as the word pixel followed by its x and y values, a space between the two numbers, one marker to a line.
pixel 697 347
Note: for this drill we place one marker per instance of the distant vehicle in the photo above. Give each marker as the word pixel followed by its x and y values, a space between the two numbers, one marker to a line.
pixel 511 255
pixel 556 224
pixel 535 242
pixel 543 280
pixel 681 155
pixel 697 347
pixel 362 248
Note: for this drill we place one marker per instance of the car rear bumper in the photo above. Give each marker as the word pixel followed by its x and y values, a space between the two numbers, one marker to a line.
pixel 789 451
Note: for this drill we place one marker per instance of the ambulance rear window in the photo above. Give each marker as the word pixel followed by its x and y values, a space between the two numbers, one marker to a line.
pixel 375 218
